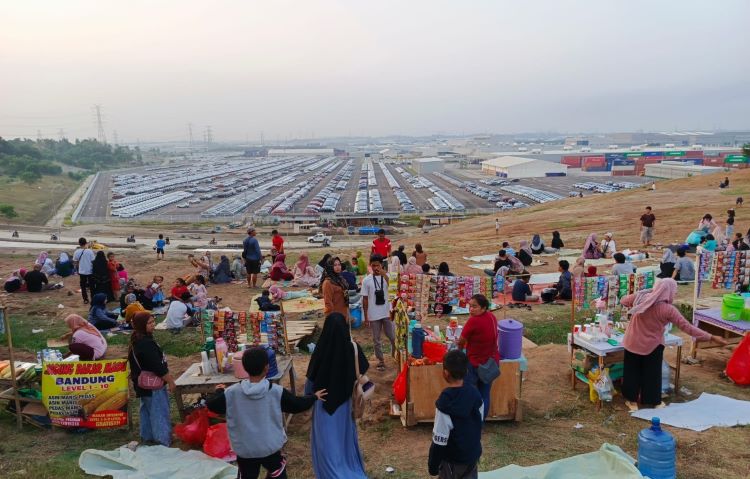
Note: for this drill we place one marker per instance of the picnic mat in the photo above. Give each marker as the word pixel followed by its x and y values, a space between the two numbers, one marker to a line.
pixel 608 461
pixel 283 284
pixel 707 411
pixel 154 462
pixel 299 305
pixel 458 311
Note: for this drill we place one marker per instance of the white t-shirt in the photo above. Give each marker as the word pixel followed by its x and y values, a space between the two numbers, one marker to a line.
pixel 85 259
pixel 176 314
pixel 609 248
pixel 376 312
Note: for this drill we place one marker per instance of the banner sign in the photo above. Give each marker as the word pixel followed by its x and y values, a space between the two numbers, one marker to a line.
pixel 86 394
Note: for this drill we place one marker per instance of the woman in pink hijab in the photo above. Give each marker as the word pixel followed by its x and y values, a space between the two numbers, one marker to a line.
pixel 85 340
pixel 279 270
pixel 304 273
pixel 591 248
pixel 412 267
pixel 650 312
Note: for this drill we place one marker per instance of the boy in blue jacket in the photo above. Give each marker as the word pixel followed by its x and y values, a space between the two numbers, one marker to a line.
pixel 457 434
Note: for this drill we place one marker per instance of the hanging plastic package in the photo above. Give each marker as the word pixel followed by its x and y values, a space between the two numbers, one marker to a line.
pixel 738 367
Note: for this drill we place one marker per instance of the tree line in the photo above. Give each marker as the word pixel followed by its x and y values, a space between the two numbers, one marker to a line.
pixel 28 160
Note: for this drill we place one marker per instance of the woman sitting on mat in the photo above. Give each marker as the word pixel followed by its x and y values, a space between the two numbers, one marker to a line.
pixel 98 314
pixel 279 270
pixel 84 339
pixel 666 266
pixel 525 255
pixel 304 273
pixel 591 248
pixel 557 242
pixel 650 311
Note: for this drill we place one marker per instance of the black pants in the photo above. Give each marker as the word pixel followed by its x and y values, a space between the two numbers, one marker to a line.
pixel 642 376
pixel 86 282
pixel 275 465
pixel 450 470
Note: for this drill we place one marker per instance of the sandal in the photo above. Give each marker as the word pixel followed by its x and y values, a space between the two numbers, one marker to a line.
pixel 380 367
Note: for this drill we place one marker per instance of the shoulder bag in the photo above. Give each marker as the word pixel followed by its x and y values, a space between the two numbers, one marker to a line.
pixel 490 370
pixel 364 389
pixel 148 379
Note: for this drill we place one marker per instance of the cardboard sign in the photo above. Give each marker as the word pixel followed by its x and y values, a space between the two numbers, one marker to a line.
pixel 88 394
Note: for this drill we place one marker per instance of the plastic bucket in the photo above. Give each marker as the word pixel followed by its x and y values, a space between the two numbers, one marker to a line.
pixel 732 307
pixel 511 338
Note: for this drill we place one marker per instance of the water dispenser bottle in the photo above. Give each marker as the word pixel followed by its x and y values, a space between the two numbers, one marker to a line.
pixel 417 340
pixel 656 452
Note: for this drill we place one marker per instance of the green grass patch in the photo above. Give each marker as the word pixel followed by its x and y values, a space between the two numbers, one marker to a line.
pixel 544 333
pixel 36 203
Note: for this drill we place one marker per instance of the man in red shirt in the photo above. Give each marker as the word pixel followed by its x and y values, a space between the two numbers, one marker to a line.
pixel 381 246
pixel 277 241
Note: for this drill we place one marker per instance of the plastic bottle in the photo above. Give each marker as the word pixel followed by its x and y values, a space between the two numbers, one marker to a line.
pixel 417 340
pixel 221 353
pixel 656 452
pixel 665 372
pixel 412 323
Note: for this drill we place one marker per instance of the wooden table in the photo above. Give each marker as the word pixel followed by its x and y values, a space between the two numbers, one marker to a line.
pixel 192 382
pixel 709 320
pixel 609 354
pixel 425 383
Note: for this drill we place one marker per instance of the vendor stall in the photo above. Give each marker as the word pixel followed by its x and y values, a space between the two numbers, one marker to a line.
pixel 234 330
pixel 421 379
pixel 723 272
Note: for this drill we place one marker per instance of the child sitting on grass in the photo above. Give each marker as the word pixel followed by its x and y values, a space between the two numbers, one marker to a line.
pixel 255 424
pixel 265 303
pixel 457 434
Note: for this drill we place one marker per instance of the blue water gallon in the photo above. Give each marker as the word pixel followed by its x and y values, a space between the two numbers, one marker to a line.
pixel 417 340
pixel 656 452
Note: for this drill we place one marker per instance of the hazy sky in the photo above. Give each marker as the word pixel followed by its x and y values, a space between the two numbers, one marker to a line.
pixel 325 68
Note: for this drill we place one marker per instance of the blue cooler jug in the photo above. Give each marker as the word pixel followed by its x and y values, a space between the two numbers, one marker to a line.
pixel 656 452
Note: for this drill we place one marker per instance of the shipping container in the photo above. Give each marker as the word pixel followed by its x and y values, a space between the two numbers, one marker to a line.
pixel 653 153
pixel 572 161
pixel 694 154
pixel 561 173
pixel 623 167
pixel 623 162
pixel 596 161
pixel 595 168
pixel 624 173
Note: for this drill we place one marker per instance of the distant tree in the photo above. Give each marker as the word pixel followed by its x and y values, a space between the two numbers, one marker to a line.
pixel 8 211
pixel 30 176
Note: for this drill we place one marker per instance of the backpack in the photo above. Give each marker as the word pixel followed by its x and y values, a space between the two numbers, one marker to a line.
pixel 364 389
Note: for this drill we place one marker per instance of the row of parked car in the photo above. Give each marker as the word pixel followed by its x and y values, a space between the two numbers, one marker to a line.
pixel 608 187
pixel 534 194
pixel 285 201
pixel 403 199
pixel 327 199
pixel 150 205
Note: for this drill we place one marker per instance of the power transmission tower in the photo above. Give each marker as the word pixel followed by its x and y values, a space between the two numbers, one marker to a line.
pixel 101 136
pixel 261 139
pixel 209 135
pixel 39 135
pixel 190 137
pixel 61 134
pixel 114 137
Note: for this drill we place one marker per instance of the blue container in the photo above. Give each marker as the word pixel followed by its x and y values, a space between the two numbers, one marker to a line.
pixel 273 368
pixel 356 314
pixel 656 452
pixel 417 340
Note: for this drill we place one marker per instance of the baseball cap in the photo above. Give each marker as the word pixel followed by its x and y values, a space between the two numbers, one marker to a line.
pixel 251 229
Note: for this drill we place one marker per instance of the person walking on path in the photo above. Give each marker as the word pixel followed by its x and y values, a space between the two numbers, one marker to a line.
pixel 377 308
pixel 252 256
pixel 647 226
pixel 83 259
pixel 497 226
pixel 381 245
pixel 159 247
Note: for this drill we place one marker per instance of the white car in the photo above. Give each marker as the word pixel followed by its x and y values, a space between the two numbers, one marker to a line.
pixel 319 238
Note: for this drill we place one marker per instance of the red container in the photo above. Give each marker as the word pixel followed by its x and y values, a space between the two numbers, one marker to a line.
pixel 572 161
pixel 694 154
pixel 624 173
pixel 593 161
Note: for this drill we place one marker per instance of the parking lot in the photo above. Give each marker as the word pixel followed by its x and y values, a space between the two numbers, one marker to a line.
pixel 216 186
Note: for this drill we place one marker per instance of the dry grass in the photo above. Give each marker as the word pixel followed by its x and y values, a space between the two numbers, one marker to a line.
pixel 35 203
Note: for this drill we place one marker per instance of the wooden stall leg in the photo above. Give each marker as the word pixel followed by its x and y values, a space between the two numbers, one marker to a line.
pixel 693 348
pixel 178 401
pixel 677 368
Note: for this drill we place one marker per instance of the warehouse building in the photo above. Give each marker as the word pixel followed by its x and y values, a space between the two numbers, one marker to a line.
pixel 679 169
pixel 519 167
pixel 427 165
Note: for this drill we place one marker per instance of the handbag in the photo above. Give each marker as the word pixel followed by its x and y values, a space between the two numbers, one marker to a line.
pixel 148 379
pixel 490 370
pixel 364 389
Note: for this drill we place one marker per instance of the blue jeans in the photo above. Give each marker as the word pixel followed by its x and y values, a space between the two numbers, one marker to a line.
pixel 156 424
pixel 472 379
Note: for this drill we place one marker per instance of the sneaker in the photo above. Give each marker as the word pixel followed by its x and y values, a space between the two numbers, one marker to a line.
pixel 661 405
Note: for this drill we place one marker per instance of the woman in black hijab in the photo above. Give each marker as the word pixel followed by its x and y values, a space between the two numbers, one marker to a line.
pixel 100 275
pixel 333 436
pixel 557 242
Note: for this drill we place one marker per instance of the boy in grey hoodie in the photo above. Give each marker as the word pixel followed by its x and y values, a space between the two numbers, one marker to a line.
pixel 253 409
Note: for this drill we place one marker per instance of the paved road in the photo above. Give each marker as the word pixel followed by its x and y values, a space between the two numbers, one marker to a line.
pixel 98 201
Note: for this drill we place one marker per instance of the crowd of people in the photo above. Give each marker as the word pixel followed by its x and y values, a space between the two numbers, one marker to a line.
pixel 254 407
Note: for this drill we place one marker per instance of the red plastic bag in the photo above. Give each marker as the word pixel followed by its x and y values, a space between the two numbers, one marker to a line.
pixel 399 385
pixel 193 430
pixel 738 367
pixel 217 442
pixel 434 351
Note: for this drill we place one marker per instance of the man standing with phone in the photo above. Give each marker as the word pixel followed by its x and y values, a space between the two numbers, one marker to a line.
pixel 647 227
pixel 83 259
pixel 377 308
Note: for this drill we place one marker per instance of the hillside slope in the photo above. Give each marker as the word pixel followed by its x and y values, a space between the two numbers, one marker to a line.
pixel 678 206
